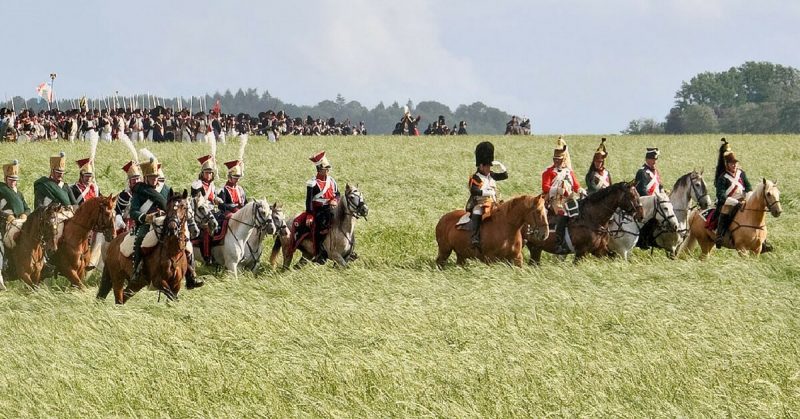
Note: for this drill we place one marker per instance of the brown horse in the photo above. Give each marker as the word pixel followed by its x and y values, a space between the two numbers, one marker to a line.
pixel 74 252
pixel 587 231
pixel 164 265
pixel 38 236
pixel 748 230
pixel 501 234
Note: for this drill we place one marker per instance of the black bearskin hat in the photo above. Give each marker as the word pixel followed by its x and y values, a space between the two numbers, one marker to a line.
pixel 484 153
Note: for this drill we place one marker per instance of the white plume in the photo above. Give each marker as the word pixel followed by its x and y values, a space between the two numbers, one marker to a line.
pixel 213 144
pixel 242 145
pixel 93 139
pixel 147 154
pixel 126 141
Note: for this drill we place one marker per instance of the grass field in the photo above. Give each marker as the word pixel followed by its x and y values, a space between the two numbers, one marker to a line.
pixel 392 336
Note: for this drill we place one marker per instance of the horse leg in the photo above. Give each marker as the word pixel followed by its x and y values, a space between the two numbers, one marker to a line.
pixel 536 255
pixel 105 284
pixel 461 260
pixel 518 259
pixel 339 259
pixel 444 254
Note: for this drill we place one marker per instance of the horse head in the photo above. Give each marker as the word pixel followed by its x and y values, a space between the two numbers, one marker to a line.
pixel 354 201
pixel 278 218
pixel 203 213
pixel 772 197
pixel 630 201
pixel 699 190
pixel 105 217
pixel 665 213
pixel 177 213
pixel 48 227
pixel 538 228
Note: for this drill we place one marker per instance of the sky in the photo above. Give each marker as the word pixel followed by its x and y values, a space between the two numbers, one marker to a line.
pixel 572 66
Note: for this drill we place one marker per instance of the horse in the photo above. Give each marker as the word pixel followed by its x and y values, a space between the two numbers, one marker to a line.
pixel 340 238
pixel 276 225
pixel 34 239
pixel 164 265
pixel 747 231
pixel 624 231
pixel 73 254
pixel 587 233
pixel 501 233
pixel 688 187
pixel 523 128
pixel 240 226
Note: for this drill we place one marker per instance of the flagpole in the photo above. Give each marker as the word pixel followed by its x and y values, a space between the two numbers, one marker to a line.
pixel 53 89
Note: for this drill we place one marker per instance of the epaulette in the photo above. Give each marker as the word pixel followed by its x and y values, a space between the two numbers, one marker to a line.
pixel 197 184
pixel 312 182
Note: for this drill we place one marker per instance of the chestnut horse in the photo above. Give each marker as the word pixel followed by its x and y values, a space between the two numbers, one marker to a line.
pixel 164 265
pixel 587 231
pixel 38 235
pixel 501 234
pixel 748 230
pixel 74 253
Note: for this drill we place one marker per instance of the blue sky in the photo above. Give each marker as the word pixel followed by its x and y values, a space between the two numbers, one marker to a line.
pixel 572 66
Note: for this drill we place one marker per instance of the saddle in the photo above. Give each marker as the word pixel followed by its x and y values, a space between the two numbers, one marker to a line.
pixel 206 241
pixel 465 222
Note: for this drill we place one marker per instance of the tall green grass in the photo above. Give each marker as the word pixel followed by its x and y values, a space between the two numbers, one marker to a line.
pixel 392 336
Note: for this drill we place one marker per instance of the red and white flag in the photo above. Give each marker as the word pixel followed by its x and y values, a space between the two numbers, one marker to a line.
pixel 45 91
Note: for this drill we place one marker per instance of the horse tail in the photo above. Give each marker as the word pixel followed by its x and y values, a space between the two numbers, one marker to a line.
pixel 105 284
pixel 276 248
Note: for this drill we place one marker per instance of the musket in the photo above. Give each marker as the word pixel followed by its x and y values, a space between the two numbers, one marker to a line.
pixel 191 102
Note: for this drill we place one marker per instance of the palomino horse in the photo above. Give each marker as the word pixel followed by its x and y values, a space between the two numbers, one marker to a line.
pixel 624 231
pixel 241 225
pixel 37 236
pixel 501 234
pixel 74 253
pixel 587 231
pixel 164 265
pixel 340 238
pixel 255 244
pixel 748 230
pixel 688 187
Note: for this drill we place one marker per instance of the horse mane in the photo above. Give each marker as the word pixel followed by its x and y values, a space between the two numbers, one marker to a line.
pixel 515 201
pixel 602 194
pixel 33 220
pixel 682 179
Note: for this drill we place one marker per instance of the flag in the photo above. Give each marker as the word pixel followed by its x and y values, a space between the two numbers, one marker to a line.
pixel 217 108
pixel 45 91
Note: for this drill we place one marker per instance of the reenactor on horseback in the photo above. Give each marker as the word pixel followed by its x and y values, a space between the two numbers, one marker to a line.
pixel 53 189
pixel 598 177
pixel 732 186
pixel 562 189
pixel 482 188
pixel 648 178
pixel 122 220
pixel 85 188
pixel 12 203
pixel 204 186
pixel 322 195
pixel 231 197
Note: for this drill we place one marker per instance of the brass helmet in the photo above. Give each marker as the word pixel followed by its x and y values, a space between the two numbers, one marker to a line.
pixel 86 166
pixel 11 170
pixel 58 163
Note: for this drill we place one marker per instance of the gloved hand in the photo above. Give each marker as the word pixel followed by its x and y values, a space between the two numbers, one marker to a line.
pixel 218 200
pixel 309 221
pixel 9 218
pixel 149 218
pixel 23 217
pixel 582 192
pixel 501 165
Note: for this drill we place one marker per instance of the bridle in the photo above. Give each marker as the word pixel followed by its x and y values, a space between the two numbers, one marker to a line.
pixel 356 209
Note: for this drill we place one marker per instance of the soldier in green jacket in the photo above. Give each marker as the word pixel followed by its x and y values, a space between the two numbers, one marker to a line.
pixel 12 202
pixel 53 189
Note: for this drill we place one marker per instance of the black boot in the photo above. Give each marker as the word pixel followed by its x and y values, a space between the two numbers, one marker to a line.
pixel 561 242
pixel 191 275
pixel 722 229
pixel 766 247
pixel 321 256
pixel 475 240
pixel 138 264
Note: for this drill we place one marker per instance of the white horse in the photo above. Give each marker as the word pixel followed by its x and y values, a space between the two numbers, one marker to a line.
pixel 241 225
pixel 689 187
pixel 624 231
pixel 255 244
pixel 340 240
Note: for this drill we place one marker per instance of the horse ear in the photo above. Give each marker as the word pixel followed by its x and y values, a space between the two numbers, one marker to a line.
pixel 764 180
pixel 185 194
pixel 775 183
pixel 701 171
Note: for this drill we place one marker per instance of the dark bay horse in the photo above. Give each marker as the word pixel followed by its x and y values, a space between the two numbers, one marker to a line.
pixel 587 231
pixel 501 234
pixel 74 253
pixel 164 265
pixel 38 235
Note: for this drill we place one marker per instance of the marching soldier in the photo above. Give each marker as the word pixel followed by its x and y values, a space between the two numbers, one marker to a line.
pixel 482 187
pixel 53 189
pixel 648 178
pixel 598 177
pixel 322 195
pixel 732 185
pixel 232 196
pixel 85 188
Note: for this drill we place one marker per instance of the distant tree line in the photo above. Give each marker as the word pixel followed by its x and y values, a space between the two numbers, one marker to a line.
pixel 381 119
pixel 756 97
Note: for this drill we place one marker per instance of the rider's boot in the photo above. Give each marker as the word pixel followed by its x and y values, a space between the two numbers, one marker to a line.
pixel 138 264
pixel 191 274
pixel 475 240
pixel 561 242
pixel 321 254
pixel 722 228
